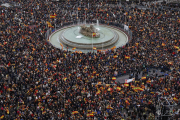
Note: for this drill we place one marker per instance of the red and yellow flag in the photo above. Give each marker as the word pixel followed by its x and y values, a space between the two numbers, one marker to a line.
pixel 52 16
pixel 94 48
pixel 113 78
pixel 94 34
pixel 175 99
pixel 127 102
pixel 110 89
pixel 2 117
pixel 115 56
pixel 126 85
pixel 118 88
pixel 143 78
pixel 163 44
pixel 109 107
pixel 113 48
pixel 127 57
pixel 73 48
pixel 75 112
pixel 176 47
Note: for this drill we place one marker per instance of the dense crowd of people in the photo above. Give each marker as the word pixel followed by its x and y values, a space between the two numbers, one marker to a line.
pixel 39 81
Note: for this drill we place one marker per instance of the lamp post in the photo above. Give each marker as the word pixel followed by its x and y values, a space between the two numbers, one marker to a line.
pixel 92 42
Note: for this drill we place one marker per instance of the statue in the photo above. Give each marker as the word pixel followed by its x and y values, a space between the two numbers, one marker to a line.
pixel 89 31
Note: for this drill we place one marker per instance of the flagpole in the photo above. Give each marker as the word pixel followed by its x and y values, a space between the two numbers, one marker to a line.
pixel 92 42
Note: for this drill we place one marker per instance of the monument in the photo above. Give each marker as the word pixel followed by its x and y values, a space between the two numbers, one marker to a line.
pixel 89 31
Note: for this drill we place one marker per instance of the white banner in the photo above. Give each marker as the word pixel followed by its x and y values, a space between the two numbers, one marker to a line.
pixel 129 80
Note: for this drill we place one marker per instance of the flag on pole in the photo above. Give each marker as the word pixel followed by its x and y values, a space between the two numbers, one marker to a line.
pixel 61 44
pixel 49 24
pixel 74 48
pixel 94 48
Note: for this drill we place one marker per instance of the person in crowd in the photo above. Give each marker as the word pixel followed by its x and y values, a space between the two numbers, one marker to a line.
pixel 39 81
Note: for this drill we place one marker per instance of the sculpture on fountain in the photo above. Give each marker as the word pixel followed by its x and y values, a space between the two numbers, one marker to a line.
pixel 89 31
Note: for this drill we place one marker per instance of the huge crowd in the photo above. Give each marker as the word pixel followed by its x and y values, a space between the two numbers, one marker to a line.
pixel 39 81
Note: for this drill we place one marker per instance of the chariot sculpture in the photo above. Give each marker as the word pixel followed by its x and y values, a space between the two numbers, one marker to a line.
pixel 89 31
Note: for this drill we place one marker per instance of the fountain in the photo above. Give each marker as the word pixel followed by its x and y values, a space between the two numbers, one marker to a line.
pixel 97 24
pixel 87 36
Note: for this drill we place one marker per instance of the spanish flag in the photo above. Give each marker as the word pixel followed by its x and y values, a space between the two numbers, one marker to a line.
pixel 125 13
pixel 75 112
pixel 130 17
pixel 2 117
pixel 176 47
pixel 163 44
pixel 49 24
pixel 94 34
pixel 118 88
pixel 61 44
pixel 140 89
pixel 109 107
pixel 127 57
pixel 115 56
pixel 97 74
pixel 127 102
pixel 175 99
pixel 126 85
pixel 52 16
pixel 110 89
pixel 143 78
pixel 91 115
pixel 94 48
pixel 113 78
pixel 137 44
pixel 149 81
pixel 7 110
pixel 113 48
pixel 150 101
pixel 98 92
pixel 74 48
